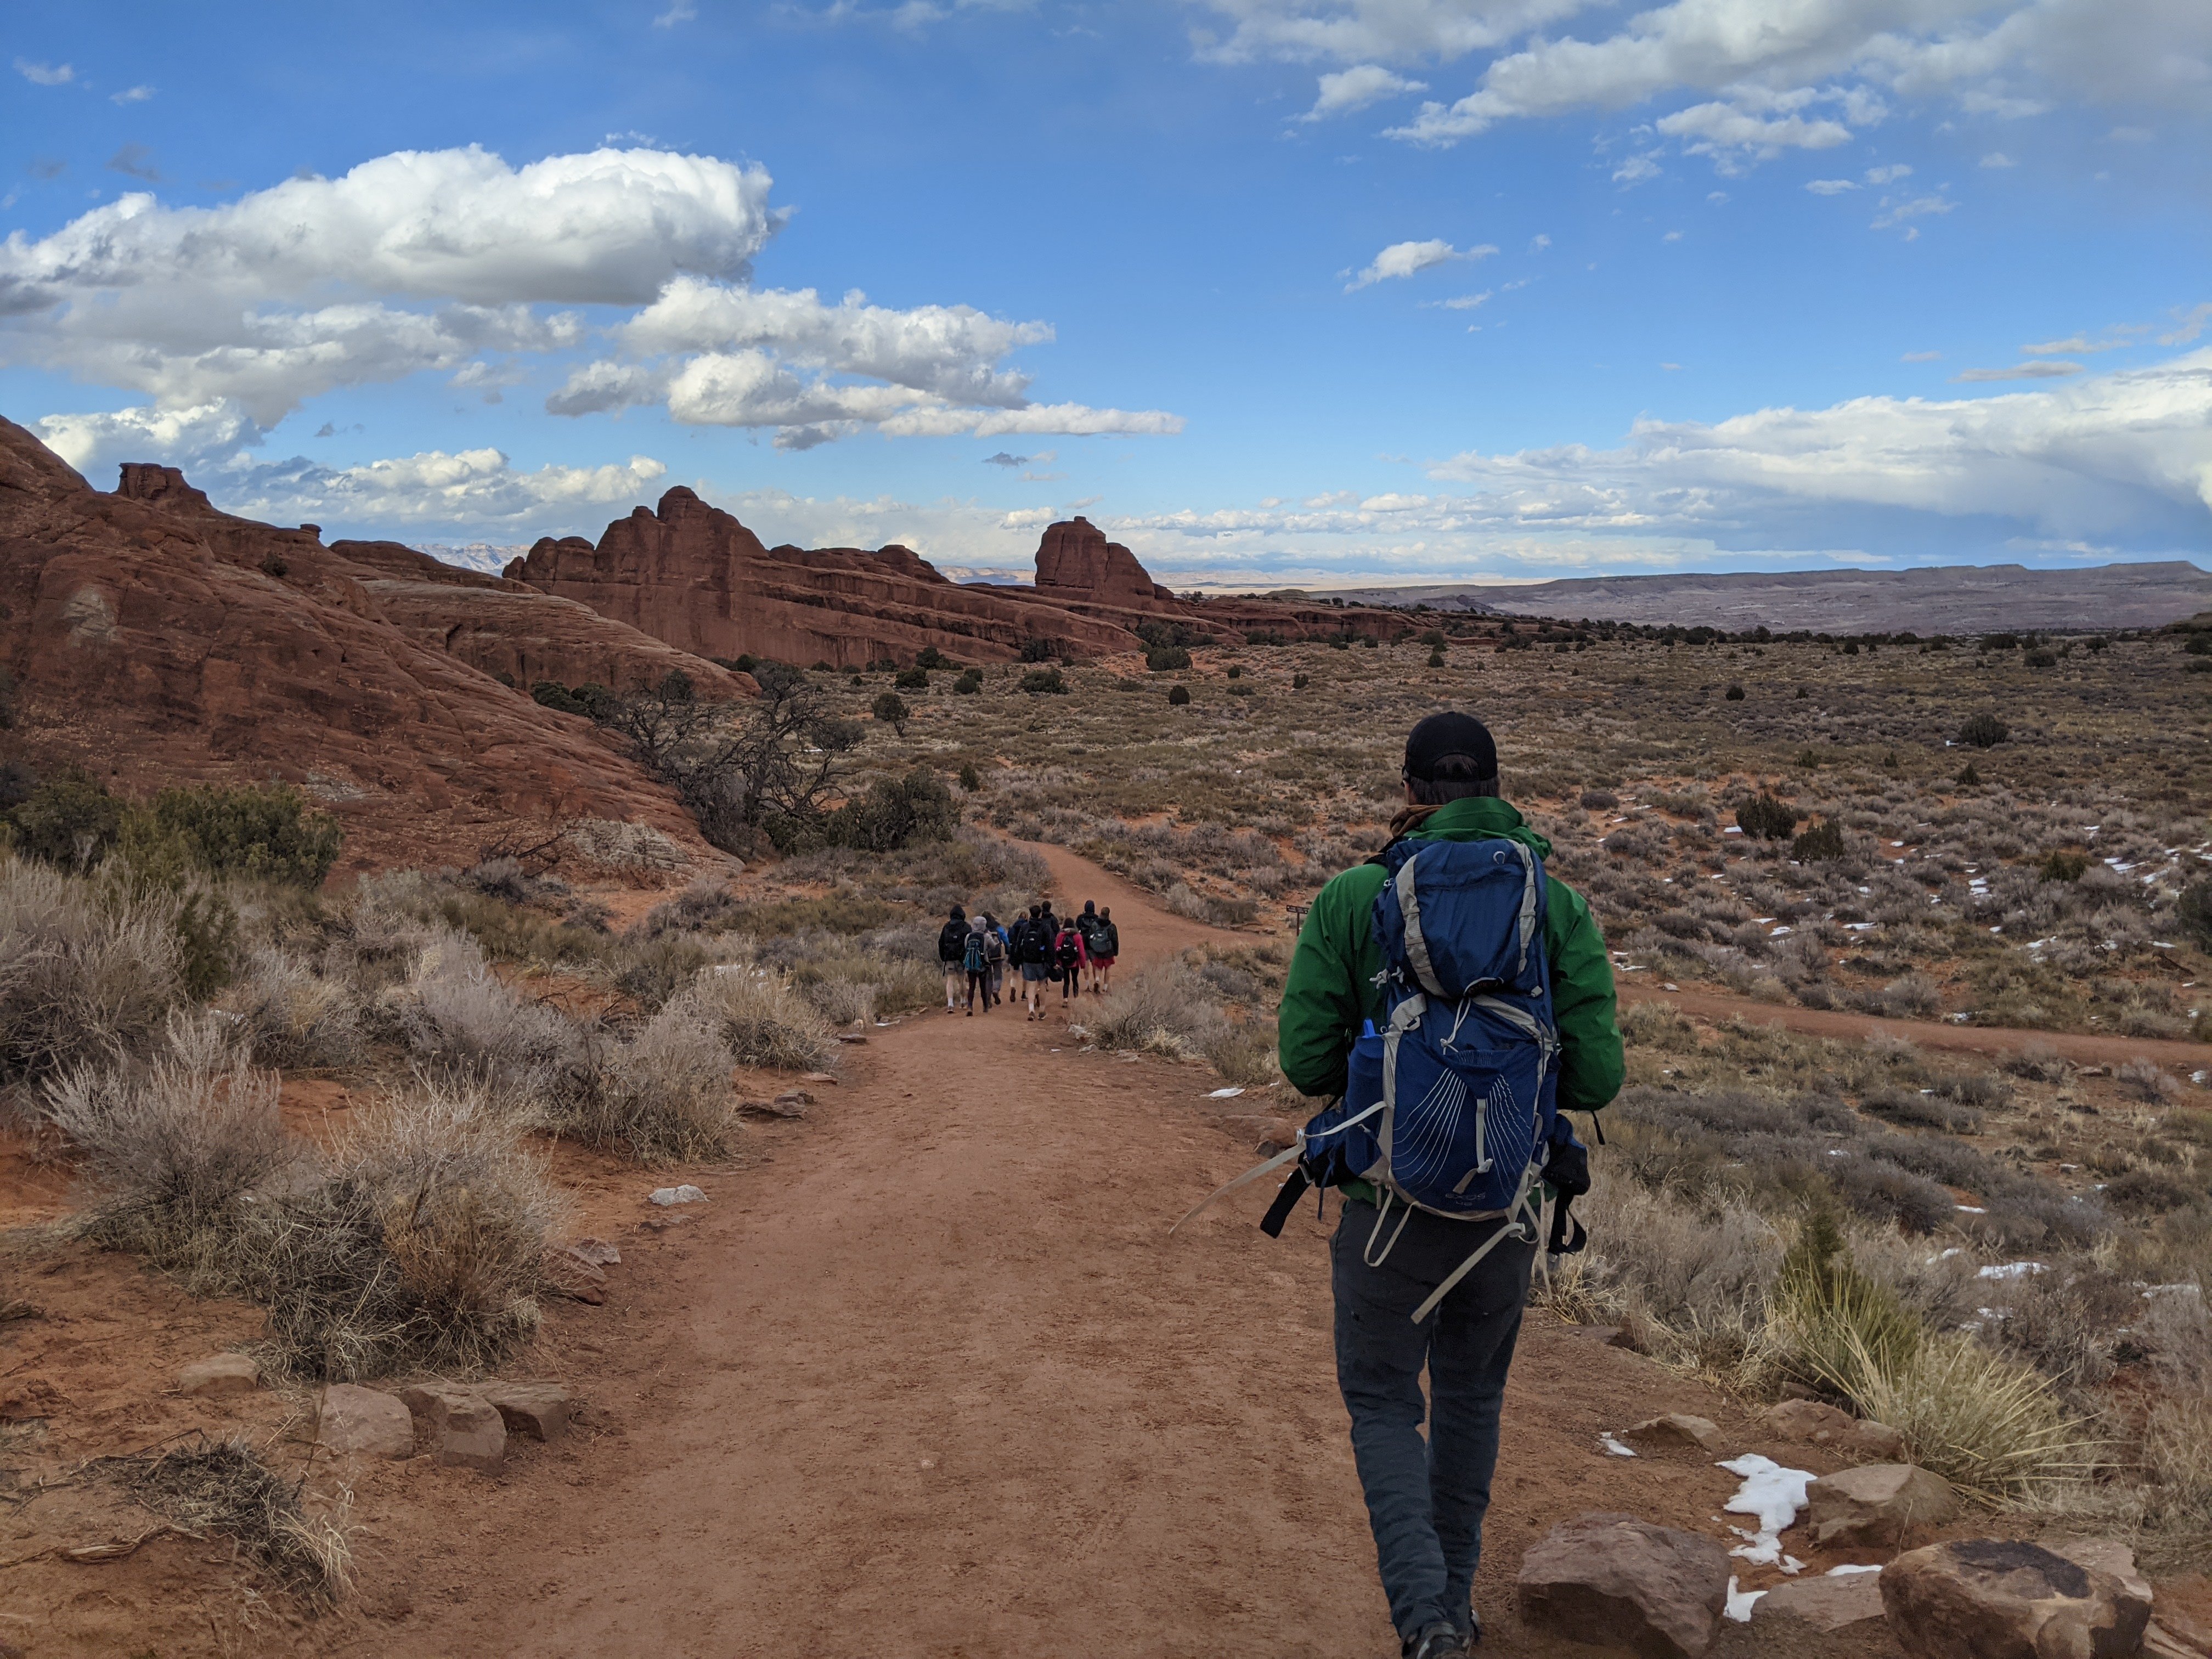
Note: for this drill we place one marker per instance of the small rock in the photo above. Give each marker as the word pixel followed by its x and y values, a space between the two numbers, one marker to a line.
pixel 2107 1555
pixel 597 1252
pixel 1826 1604
pixel 221 1374
pixel 686 1194
pixel 1820 1424
pixel 540 1410
pixel 2177 1636
pixel 850 1037
pixel 1984 1598
pixel 459 1426
pixel 1609 1336
pixel 1876 1504
pixel 661 1223
pixel 1615 1581
pixel 358 1419
pixel 1675 1429
pixel 821 1077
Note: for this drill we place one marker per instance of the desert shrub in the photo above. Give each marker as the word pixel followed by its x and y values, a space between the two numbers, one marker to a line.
pixel 762 1021
pixel 70 821
pixel 970 684
pixel 2063 867
pixel 87 968
pixel 890 709
pixel 292 1016
pixel 2040 658
pixel 703 906
pixel 1823 842
pixel 265 833
pixel 1984 730
pixel 173 1146
pixel 1178 696
pixel 421 1246
pixel 1766 817
pixel 664 1095
pixel 463 1022
pixel 1223 912
pixel 1835 1322
pixel 223 1485
pixel 1298 683
pixel 911 679
pixel 1599 800
pixel 1167 659
pixel 896 813
pixel 1734 694
pixel 1916 1110
pixel 552 693
pixel 1045 680
pixel 2194 910
pixel 1984 1421
pixel 970 779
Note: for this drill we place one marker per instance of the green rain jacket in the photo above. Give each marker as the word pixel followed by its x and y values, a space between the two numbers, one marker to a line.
pixel 1332 987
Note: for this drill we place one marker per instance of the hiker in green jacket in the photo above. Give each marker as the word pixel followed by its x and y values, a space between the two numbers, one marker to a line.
pixel 1425 1501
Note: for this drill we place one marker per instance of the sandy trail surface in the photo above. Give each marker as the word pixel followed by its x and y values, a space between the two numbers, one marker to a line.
pixel 929 1378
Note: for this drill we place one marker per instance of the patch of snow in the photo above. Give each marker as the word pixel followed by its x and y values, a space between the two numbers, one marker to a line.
pixel 1772 1495
pixel 2014 1270
pixel 1224 1094
pixel 1613 1448
pixel 1970 1209
pixel 1846 1571
pixel 1741 1602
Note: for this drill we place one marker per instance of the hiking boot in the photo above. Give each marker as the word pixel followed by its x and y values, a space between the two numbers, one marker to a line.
pixel 1437 1641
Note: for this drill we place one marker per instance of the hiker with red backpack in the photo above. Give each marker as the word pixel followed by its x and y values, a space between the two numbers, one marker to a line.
pixel 1457 1002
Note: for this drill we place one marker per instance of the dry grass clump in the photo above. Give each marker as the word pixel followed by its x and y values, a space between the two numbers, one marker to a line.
pixel 1169 1008
pixel 420 1246
pixel 176 1149
pixel 848 979
pixel 223 1487
pixel 293 1016
pixel 87 968
pixel 460 1018
pixel 663 1095
pixel 761 1020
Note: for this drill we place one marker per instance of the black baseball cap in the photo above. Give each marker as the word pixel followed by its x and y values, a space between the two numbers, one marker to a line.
pixel 1459 743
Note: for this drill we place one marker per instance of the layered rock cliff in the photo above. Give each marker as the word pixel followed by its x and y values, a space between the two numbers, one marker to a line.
pixel 155 640
pixel 692 575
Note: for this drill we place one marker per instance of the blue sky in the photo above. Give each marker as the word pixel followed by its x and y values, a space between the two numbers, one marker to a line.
pixel 1276 290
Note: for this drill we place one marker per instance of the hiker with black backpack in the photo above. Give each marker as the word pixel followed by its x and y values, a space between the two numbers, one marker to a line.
pixel 952 952
pixel 1108 948
pixel 995 959
pixel 1033 954
pixel 1458 1001
pixel 1092 928
pixel 975 963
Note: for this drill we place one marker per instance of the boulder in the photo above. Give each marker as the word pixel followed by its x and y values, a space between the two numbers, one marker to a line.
pixel 2175 1635
pixel 540 1410
pixel 220 1374
pixel 1827 1604
pixel 1675 1431
pixel 1984 1598
pixel 1613 1581
pixel 2105 1555
pixel 352 1418
pixel 1818 1423
pixel 459 1426
pixel 1876 1504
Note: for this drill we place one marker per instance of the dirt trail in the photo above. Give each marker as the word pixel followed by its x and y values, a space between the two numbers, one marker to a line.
pixel 928 1378
pixel 2082 1048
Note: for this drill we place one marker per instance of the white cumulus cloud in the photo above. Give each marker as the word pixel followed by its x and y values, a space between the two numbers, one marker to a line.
pixel 1403 259
pixel 1345 90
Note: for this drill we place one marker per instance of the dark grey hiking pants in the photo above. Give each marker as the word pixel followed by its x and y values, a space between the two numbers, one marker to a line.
pixel 1426 1500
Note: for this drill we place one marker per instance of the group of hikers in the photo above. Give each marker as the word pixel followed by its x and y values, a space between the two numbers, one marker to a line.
pixel 1076 954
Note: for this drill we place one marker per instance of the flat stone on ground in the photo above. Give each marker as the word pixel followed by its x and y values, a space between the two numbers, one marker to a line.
pixel 220 1374
pixel 1876 1504
pixel 687 1194
pixel 1983 1598
pixel 1826 1604
pixel 353 1418
pixel 1613 1581
pixel 1818 1423
pixel 1675 1429
pixel 540 1410
pixel 459 1426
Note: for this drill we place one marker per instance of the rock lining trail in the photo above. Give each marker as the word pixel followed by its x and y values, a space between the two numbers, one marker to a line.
pixel 926 1377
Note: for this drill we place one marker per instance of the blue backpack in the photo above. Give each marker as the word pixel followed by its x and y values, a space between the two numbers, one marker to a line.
pixel 1452 1106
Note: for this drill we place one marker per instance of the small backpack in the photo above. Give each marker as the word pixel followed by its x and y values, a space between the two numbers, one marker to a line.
pixel 995 948
pixel 1070 948
pixel 975 960
pixel 1451 1107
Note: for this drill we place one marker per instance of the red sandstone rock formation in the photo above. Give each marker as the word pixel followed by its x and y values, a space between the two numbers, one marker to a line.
pixel 1076 554
pixel 154 639
pixel 692 575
